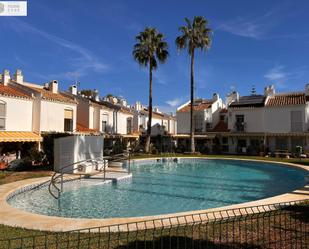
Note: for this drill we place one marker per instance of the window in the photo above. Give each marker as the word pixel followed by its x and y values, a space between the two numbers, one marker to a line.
pixel 2 115
pixel 240 124
pixel 68 120
pixel 104 122
pixel 198 123
pixel 296 121
pixel 240 118
pixel 129 125
pixel 104 126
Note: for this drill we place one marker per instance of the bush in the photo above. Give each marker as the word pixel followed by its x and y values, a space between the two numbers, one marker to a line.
pixel 19 165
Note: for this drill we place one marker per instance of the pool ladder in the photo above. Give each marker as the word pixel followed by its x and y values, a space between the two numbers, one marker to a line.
pixel 100 164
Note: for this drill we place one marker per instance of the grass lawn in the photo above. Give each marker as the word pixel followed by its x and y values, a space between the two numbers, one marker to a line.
pixel 7 232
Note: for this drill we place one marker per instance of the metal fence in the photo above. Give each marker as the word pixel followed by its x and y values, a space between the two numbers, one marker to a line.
pixel 281 225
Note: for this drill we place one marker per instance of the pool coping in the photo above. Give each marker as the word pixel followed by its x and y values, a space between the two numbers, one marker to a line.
pixel 15 217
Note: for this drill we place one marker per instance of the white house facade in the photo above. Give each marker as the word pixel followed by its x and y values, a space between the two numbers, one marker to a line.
pixel 206 115
pixel 271 123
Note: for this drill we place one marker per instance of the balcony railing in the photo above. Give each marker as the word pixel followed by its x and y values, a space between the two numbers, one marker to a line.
pixel 240 126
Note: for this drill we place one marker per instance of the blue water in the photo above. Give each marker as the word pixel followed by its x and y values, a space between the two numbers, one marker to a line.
pixel 160 188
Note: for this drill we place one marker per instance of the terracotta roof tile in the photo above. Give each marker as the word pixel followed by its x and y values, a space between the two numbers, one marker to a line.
pixel 220 127
pixel 224 110
pixel 287 99
pixel 48 95
pixel 82 128
pixel 11 91
pixel 198 106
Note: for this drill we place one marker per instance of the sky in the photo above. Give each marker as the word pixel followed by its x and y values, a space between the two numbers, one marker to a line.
pixel 254 43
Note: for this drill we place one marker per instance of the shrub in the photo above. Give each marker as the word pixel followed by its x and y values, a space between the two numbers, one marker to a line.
pixel 19 165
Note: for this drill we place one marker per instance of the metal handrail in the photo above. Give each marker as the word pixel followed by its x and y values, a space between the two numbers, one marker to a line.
pixel 64 170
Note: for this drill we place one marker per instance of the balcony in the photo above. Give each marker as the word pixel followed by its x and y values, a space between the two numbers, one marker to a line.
pixel 240 126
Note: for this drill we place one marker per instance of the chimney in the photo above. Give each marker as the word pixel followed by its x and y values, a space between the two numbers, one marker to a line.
pixel 307 89
pixel 232 97
pixel 269 90
pixel 18 76
pixel 215 96
pixel 156 109
pixel 138 106
pixel 123 102
pixel 6 77
pixel 96 96
pixel 73 90
pixel 53 86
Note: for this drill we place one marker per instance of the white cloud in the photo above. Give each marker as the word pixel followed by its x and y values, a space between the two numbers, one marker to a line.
pixel 85 61
pixel 276 74
pixel 252 27
pixel 243 28
pixel 175 102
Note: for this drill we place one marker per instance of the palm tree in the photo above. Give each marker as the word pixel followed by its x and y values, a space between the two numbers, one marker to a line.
pixel 149 49
pixel 194 35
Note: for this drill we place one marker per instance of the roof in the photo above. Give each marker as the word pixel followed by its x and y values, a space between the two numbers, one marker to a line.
pixel 224 110
pixel 287 99
pixel 48 95
pixel 156 114
pixel 115 106
pixel 199 105
pixel 82 128
pixel 220 127
pixel 249 101
pixel 11 92
pixel 19 136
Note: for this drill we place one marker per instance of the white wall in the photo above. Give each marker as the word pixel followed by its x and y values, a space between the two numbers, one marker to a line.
pixel 267 119
pixel 72 149
pixel 253 118
pixel 18 114
pixel 122 122
pixel 52 116
pixel 106 114
pixel 278 119
pixel 210 115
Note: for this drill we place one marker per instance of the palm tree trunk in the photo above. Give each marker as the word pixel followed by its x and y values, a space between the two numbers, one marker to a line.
pixel 147 145
pixel 192 144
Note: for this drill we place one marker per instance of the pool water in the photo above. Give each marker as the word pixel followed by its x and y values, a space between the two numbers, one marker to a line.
pixel 166 187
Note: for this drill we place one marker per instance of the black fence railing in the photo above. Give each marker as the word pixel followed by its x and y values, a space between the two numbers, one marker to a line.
pixel 281 225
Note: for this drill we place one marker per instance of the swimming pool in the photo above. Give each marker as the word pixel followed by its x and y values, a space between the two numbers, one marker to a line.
pixel 166 187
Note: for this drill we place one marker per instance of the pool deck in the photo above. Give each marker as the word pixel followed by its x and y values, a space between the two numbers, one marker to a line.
pixel 19 218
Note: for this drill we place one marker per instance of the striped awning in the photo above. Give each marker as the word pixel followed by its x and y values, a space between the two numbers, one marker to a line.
pixel 19 136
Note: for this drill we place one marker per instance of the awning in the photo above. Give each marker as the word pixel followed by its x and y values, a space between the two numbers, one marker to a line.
pixel 130 135
pixel 19 136
pixel 196 136
pixel 268 134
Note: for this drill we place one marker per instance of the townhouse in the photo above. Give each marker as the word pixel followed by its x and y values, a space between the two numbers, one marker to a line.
pixel 109 116
pixel 206 116
pixel 17 130
pixel 161 123
pixel 29 111
pixel 270 123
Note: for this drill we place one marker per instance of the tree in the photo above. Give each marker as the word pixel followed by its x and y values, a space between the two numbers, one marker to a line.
pixel 87 92
pixel 149 49
pixel 194 35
